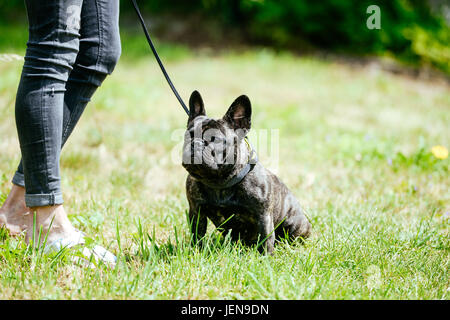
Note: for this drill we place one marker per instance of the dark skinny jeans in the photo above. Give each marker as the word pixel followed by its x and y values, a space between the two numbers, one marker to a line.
pixel 73 45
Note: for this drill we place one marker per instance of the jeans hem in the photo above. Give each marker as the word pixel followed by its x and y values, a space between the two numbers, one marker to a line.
pixel 19 179
pixel 42 200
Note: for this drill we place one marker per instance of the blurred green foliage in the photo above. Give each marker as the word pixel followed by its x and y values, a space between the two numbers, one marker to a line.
pixel 410 30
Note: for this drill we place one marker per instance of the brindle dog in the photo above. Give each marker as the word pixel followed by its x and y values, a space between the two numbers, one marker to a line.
pixel 214 153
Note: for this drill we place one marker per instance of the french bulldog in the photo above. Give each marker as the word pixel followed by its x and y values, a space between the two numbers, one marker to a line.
pixel 256 208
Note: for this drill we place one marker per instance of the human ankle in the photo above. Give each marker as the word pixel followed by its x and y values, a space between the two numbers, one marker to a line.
pixel 50 219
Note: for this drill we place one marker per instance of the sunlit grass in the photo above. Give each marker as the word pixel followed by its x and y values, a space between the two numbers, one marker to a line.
pixel 355 147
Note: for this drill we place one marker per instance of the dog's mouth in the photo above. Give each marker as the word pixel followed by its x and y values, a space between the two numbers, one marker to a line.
pixel 210 155
pixel 209 159
pixel 206 161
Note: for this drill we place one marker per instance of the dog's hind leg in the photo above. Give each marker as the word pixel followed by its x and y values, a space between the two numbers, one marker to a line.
pixel 295 226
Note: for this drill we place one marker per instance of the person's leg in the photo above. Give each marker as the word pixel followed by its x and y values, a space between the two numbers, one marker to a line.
pixel 99 52
pixel 97 57
pixel 51 52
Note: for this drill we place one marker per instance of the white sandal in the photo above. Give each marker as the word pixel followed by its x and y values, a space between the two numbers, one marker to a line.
pixel 97 254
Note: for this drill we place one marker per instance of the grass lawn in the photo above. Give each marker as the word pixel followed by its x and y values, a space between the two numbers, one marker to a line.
pixel 354 146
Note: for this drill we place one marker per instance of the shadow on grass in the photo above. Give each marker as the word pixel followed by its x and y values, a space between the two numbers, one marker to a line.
pixel 179 244
pixel 219 242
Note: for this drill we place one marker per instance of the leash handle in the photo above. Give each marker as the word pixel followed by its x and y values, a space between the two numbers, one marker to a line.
pixel 161 65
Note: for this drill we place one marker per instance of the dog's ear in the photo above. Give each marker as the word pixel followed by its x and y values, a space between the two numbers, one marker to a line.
pixel 239 114
pixel 196 106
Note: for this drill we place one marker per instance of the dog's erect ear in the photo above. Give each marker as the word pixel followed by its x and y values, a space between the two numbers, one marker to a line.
pixel 239 114
pixel 196 106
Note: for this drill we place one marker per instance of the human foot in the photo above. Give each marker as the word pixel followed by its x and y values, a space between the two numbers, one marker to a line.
pixel 13 213
pixel 53 222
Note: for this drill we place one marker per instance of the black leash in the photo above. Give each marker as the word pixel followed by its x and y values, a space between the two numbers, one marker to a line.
pixel 253 159
pixel 161 65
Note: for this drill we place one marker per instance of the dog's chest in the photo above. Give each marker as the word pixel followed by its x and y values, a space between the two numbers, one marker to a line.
pixel 229 210
pixel 222 198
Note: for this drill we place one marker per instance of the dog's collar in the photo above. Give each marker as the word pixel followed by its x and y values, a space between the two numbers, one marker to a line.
pixel 251 162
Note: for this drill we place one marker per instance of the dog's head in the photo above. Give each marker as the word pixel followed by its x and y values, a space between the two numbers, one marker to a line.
pixel 215 149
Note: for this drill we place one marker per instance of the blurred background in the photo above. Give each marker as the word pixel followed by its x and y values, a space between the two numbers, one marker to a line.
pixel 414 32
